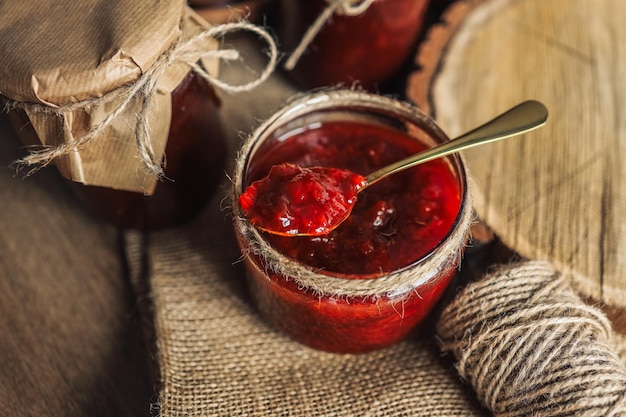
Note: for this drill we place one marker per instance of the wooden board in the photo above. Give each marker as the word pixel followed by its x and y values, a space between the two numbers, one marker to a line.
pixel 557 193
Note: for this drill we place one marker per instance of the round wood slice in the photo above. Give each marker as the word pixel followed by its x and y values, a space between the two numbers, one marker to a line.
pixel 558 193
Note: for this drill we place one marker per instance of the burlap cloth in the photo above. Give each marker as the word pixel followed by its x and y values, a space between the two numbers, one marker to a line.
pixel 213 354
pixel 216 356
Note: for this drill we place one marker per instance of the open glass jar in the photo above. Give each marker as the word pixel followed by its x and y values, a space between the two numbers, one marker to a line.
pixel 370 282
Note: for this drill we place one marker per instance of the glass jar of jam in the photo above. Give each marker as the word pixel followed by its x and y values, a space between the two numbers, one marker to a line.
pixel 370 282
pixel 367 48
pixel 195 158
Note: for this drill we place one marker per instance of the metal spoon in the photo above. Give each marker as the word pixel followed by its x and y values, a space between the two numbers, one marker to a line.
pixel 522 118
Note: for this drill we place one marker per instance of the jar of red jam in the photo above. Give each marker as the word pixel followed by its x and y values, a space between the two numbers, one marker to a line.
pixel 367 48
pixel 195 157
pixel 371 281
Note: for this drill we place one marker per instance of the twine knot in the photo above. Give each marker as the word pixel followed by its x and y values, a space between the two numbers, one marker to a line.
pixel 184 51
pixel 345 7
pixel 530 346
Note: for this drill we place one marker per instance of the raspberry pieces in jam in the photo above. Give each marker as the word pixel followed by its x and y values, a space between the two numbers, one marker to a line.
pixel 294 200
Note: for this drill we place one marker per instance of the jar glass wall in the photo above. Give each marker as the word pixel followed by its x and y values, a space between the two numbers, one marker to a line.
pixel 369 283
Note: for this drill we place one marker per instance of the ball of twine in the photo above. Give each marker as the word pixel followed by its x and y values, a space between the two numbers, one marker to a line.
pixel 529 346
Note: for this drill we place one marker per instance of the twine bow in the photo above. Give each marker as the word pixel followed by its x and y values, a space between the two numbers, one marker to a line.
pixel 345 7
pixel 145 87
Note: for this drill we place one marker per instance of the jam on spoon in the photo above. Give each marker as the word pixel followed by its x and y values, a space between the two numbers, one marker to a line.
pixel 296 201
pixel 292 200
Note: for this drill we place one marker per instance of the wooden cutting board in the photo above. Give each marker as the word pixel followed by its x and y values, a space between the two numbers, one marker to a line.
pixel 558 193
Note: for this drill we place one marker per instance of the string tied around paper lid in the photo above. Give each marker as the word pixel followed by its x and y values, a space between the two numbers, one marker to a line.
pixel 183 51
pixel 528 345
pixel 344 7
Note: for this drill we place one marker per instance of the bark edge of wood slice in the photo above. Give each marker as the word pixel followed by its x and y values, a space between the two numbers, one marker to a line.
pixel 554 193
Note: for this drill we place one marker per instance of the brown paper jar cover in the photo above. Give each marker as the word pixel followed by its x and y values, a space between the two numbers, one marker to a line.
pixel 56 58
pixel 195 154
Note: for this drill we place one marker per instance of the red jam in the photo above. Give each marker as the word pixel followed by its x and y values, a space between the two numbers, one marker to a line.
pixel 195 160
pixel 394 222
pixel 293 200
pixel 394 227
pixel 369 48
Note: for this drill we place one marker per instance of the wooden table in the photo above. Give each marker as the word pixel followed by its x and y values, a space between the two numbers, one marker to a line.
pixel 556 193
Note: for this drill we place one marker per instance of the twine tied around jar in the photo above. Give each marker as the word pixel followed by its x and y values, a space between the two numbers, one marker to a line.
pixel 529 345
pixel 144 87
pixel 394 284
pixel 344 7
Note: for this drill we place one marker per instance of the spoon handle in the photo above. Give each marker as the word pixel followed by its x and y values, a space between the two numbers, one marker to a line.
pixel 522 118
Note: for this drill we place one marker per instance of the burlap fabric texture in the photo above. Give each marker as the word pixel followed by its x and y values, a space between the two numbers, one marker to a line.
pixel 215 355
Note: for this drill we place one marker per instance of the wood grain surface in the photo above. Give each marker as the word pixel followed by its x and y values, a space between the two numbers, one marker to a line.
pixel 556 193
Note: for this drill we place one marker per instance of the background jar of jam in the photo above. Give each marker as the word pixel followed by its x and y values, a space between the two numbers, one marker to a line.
pixel 367 49
pixel 195 159
pixel 370 282
pixel 118 113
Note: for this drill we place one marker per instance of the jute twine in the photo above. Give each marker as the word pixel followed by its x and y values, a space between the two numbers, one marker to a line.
pixel 344 7
pixel 394 284
pixel 183 51
pixel 530 346
pixel 397 283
